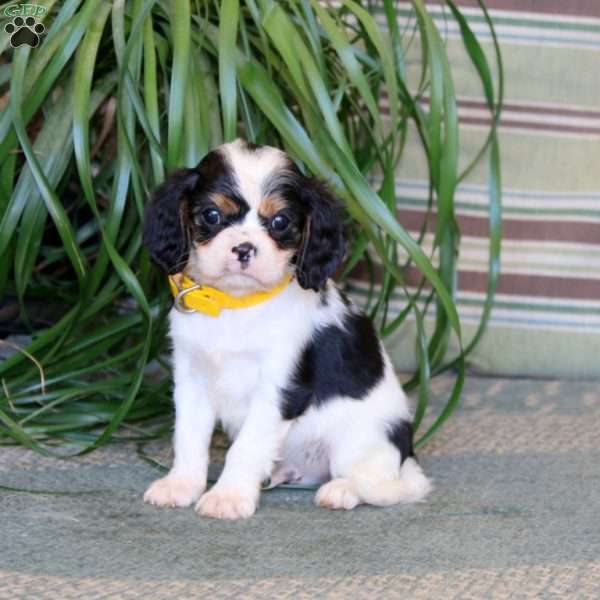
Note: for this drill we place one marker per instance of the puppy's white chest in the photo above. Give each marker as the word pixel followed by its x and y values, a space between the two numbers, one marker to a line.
pixel 234 379
pixel 232 356
pixel 232 385
pixel 225 361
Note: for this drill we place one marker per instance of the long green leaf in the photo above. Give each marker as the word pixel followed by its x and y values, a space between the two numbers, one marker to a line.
pixel 228 25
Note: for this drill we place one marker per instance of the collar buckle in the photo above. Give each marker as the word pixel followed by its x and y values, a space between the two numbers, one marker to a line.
pixel 179 301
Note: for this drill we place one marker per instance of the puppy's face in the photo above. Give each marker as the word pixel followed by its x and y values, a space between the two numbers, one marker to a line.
pixel 246 220
pixel 243 219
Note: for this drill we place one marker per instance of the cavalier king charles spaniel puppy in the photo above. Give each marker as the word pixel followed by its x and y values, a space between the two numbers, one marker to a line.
pixel 266 344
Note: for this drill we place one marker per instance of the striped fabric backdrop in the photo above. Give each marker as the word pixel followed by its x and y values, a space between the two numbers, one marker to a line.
pixel 546 320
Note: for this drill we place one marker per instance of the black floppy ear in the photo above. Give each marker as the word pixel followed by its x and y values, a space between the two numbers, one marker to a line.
pixel 324 244
pixel 165 231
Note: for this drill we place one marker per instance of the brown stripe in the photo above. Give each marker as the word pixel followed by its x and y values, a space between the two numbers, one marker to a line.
pixel 513 124
pixel 559 111
pixel 512 229
pixel 533 285
pixel 509 284
pixel 579 8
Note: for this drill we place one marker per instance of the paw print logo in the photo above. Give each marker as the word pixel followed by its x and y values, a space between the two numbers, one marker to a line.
pixel 24 31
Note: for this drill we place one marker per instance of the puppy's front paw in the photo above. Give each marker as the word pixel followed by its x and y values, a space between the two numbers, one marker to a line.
pixel 174 491
pixel 227 503
pixel 336 494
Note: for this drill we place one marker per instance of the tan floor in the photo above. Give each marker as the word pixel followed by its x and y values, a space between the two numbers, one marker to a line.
pixel 515 514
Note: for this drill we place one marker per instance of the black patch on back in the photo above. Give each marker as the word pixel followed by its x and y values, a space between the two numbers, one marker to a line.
pixel 401 435
pixel 336 362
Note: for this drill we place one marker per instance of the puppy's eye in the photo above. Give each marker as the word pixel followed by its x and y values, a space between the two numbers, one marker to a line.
pixel 280 223
pixel 211 216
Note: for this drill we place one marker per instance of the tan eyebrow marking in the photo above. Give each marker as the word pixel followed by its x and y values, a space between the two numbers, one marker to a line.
pixel 271 205
pixel 225 204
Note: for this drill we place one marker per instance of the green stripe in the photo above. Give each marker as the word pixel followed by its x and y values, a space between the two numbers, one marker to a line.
pixel 441 20
pixel 519 305
pixel 527 247
pixel 532 268
pixel 558 212
pixel 541 307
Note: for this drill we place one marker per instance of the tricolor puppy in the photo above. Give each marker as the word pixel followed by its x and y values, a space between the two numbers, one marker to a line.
pixel 265 343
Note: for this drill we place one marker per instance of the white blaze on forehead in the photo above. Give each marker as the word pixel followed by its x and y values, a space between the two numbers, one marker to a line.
pixel 252 168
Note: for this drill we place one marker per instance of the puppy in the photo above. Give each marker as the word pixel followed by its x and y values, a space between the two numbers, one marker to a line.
pixel 293 371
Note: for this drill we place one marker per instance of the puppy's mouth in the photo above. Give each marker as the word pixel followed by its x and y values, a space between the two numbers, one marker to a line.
pixel 239 278
pixel 241 269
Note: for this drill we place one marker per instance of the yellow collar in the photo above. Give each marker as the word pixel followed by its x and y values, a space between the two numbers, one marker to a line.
pixel 193 297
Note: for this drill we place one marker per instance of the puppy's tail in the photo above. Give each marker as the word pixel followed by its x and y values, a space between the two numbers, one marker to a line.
pixel 410 486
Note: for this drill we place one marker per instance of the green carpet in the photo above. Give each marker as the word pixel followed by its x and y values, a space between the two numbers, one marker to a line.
pixel 515 514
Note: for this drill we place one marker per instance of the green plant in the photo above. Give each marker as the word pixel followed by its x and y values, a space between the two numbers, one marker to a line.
pixel 118 94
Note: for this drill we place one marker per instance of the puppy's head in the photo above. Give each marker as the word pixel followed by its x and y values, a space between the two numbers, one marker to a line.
pixel 243 219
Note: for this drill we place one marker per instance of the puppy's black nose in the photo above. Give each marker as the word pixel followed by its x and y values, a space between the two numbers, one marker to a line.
pixel 244 251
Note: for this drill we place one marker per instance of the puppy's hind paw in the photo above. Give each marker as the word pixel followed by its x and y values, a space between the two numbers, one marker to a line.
pixel 337 494
pixel 174 491
pixel 226 503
